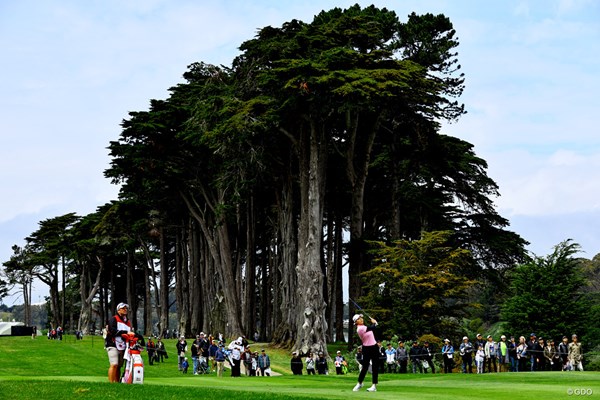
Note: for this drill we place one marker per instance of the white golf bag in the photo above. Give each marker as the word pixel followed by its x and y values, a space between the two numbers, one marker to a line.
pixel 134 370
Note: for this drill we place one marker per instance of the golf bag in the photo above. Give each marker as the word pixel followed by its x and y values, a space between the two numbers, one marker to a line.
pixel 134 369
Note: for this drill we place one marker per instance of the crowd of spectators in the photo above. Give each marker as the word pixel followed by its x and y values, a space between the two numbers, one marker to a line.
pixel 210 354
pixel 482 355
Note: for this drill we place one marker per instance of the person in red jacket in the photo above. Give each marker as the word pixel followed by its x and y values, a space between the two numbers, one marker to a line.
pixel 114 343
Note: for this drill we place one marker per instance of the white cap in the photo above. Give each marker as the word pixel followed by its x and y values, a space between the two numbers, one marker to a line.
pixel 356 317
pixel 465 338
pixel 122 305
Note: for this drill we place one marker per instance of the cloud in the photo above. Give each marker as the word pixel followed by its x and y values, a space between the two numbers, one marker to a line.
pixel 564 182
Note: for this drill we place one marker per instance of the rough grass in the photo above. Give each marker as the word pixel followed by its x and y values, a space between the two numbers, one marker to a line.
pixel 45 369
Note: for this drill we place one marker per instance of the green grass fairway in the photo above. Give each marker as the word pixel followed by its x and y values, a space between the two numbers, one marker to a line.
pixel 43 369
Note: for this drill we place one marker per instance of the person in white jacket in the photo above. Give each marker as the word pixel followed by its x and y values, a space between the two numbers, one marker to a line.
pixel 236 356
pixel 491 354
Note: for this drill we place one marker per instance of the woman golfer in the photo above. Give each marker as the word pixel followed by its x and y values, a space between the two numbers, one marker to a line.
pixel 370 351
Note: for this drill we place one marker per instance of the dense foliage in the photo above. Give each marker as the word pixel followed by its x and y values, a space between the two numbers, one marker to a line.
pixel 546 295
pixel 418 287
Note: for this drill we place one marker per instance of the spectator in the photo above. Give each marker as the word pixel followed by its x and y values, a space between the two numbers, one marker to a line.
pixel 310 364
pixel 195 350
pixel 382 358
pixel 390 354
pixel 264 363
pixel 503 356
pixel 563 353
pixel 480 359
pixel 181 347
pixel 550 354
pixel 512 355
pixel 575 354
pixel 236 356
pixel 322 368
pixel 522 355
pixel 161 352
pixel 212 350
pixel 466 353
pixel 247 360
pixel 402 357
pixel 151 350
pixel 220 360
pixel 491 354
pixel 185 365
pixel 359 358
pixel 541 358
pixel 533 349
pixel 296 364
pixel 415 357
pixel 479 341
pixel 339 363
pixel 427 357
pixel 448 354
pixel 254 365
pixel 204 345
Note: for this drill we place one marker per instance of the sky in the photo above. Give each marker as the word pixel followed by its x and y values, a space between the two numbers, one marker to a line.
pixel 71 71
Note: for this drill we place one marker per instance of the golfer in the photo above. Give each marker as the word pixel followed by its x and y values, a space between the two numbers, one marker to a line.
pixel 370 351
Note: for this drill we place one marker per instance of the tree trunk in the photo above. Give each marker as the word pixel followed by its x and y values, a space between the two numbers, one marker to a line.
pixel 131 294
pixel 163 316
pixel 249 314
pixel 49 276
pixel 229 283
pixel 219 246
pixel 64 291
pixel 148 296
pixel 331 275
pixel 311 323
pixel 87 294
pixel 339 288
pixel 183 301
pixel 395 195
pixel 282 278
pixel 197 289
pixel 27 284
pixel 53 289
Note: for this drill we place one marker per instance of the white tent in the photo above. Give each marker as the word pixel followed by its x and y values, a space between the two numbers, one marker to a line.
pixel 5 327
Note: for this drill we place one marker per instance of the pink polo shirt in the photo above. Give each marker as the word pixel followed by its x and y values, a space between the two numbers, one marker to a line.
pixel 367 337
